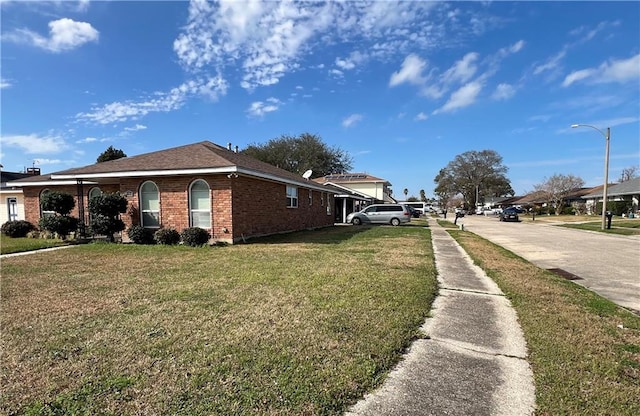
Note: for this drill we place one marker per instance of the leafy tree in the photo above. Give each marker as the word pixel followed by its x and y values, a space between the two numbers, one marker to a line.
pixel 557 188
pixel 105 210
pixel 110 154
pixel 471 174
pixel 61 223
pixel 423 196
pixel 412 199
pixel 299 154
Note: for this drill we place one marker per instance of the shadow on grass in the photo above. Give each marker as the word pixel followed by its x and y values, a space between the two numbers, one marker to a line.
pixel 330 235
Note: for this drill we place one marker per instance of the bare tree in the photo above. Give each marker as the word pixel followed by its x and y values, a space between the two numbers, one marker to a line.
pixel 557 188
pixel 629 173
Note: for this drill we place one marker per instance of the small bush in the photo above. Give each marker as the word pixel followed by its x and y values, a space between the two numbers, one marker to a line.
pixel 167 236
pixel 17 229
pixel 63 225
pixel 140 235
pixel 195 236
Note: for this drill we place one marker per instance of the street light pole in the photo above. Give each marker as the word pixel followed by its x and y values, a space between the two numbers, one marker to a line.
pixel 607 137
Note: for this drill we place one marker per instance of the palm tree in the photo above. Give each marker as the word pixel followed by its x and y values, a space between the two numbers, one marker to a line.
pixel 406 192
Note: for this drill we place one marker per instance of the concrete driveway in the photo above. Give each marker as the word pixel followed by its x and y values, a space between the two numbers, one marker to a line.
pixel 607 264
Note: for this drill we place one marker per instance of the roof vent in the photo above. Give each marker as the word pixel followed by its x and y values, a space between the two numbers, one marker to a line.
pixel 236 149
pixel 229 146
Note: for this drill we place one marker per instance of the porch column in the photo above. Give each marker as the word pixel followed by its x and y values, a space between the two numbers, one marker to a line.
pixel 344 210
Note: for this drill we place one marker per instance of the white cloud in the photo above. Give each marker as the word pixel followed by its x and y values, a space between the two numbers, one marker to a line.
pixel 352 61
pixel 260 108
pixel 87 140
pixel 552 63
pixel 211 88
pixel 33 143
pixel 64 35
pixel 352 120
pixel 463 70
pixel 410 72
pixel 613 71
pixel 421 117
pixel 269 40
pixel 576 76
pixel 516 47
pixel 503 92
pixel 136 127
pixel 463 97
pixel 5 83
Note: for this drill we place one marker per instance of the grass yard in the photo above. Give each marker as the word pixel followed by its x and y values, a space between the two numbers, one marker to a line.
pixel 296 324
pixel 14 245
pixel 621 227
pixel 583 349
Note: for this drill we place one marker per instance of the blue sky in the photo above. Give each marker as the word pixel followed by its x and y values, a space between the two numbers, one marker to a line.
pixel 403 87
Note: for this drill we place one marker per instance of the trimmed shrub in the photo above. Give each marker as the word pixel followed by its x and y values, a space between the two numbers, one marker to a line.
pixel 17 229
pixel 195 236
pixel 140 235
pixel 62 225
pixel 105 212
pixel 167 236
pixel 60 202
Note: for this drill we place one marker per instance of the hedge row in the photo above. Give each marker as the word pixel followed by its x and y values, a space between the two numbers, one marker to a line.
pixel 193 236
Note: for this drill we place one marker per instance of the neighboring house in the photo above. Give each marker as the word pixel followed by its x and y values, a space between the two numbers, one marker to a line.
pixel 232 195
pixel 11 198
pixel 624 191
pixel 359 190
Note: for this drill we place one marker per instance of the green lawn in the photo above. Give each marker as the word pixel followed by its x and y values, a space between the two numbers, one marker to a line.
pixel 304 323
pixel 621 226
pixel 584 350
pixel 14 245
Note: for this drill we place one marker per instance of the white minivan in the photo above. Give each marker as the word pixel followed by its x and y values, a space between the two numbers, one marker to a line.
pixel 394 214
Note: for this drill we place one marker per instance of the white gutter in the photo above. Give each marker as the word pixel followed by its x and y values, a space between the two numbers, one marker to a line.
pixel 46 183
pixel 201 171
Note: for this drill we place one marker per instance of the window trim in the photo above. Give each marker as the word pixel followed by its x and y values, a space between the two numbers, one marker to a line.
pixel 12 201
pixel 292 196
pixel 191 210
pixel 150 211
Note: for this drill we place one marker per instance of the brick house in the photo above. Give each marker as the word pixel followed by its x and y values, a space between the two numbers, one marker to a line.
pixel 232 195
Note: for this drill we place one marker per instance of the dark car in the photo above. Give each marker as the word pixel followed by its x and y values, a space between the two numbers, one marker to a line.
pixel 414 212
pixel 509 214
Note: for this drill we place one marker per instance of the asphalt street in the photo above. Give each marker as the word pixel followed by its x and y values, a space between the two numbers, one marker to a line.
pixel 605 263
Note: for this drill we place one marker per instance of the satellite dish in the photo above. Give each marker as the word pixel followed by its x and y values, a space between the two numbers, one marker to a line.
pixel 307 174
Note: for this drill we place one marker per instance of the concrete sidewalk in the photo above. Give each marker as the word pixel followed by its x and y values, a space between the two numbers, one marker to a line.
pixel 474 360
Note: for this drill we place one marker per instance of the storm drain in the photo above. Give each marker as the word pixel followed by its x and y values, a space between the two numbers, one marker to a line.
pixel 565 274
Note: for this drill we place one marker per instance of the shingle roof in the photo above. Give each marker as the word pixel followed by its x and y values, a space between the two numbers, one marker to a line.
pixel 630 187
pixel 202 157
pixel 350 178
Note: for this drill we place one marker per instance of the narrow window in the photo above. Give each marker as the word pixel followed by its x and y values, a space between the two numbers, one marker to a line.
pixel 150 205
pixel 310 197
pixel 12 204
pixel 200 204
pixel 93 192
pixel 292 197
pixel 322 199
pixel 328 205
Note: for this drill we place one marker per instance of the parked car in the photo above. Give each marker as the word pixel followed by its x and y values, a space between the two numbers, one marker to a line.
pixel 394 214
pixel 509 214
pixel 414 212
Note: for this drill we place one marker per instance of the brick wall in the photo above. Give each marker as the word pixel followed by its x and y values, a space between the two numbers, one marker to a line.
pixel 242 207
